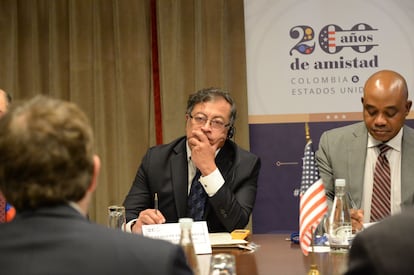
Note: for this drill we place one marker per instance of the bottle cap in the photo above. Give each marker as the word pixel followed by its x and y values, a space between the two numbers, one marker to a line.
pixel 186 222
pixel 340 182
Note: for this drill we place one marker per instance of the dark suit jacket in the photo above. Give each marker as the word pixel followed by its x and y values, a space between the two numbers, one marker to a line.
pixel 342 152
pixel 164 170
pixel 384 248
pixel 60 240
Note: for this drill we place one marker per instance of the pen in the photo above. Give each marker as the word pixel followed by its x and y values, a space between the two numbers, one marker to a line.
pixel 156 203
pixel 353 205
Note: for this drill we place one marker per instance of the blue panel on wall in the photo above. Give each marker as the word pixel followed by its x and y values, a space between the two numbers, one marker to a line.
pixel 280 147
pixel 276 208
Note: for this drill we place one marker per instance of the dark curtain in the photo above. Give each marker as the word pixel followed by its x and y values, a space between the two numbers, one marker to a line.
pixel 97 53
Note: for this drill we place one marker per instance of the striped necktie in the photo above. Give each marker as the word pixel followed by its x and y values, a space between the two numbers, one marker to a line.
pixel 196 199
pixel 381 193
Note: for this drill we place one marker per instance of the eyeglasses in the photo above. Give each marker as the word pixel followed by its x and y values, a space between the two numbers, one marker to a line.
pixel 215 123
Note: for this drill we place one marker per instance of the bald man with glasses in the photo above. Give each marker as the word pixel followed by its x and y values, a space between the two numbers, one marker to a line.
pixel 203 175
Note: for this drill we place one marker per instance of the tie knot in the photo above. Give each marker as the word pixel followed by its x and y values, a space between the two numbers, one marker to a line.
pixel 383 148
pixel 197 174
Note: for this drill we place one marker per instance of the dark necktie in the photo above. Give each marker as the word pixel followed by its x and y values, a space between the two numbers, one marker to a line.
pixel 381 193
pixel 196 199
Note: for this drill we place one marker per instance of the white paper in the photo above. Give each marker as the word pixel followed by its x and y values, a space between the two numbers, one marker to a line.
pixel 319 249
pixel 368 224
pixel 171 232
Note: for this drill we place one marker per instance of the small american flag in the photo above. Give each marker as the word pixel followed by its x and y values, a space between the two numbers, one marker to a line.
pixel 313 203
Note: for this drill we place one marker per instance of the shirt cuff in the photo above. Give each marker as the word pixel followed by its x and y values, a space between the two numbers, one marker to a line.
pixel 128 227
pixel 212 182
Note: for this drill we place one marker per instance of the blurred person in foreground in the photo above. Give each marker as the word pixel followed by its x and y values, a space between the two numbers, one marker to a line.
pixel 228 173
pixel 48 171
pixel 7 211
pixel 351 152
pixel 5 101
pixel 384 248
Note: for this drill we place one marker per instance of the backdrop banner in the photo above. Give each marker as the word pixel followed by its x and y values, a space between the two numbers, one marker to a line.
pixel 307 61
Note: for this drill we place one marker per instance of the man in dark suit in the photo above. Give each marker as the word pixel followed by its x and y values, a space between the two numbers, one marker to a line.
pixel 351 152
pixel 384 248
pixel 48 171
pixel 228 173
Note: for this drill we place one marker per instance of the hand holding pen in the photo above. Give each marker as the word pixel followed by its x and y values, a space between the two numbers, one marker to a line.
pixel 357 215
pixel 148 216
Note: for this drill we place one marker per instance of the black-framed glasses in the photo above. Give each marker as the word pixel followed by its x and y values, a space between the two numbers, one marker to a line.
pixel 215 123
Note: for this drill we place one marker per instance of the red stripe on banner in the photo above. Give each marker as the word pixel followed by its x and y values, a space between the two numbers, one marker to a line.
pixel 156 73
pixel 313 207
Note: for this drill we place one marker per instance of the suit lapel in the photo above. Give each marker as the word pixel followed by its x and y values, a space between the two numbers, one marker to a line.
pixel 225 159
pixel 179 171
pixel 407 171
pixel 356 155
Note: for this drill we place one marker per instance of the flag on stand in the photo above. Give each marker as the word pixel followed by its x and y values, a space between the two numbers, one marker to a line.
pixel 313 203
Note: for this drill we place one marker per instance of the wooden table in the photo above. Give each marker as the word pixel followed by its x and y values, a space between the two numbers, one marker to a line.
pixel 278 256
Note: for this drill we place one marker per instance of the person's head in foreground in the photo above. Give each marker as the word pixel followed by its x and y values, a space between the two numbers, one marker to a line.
pixel 48 171
pixel 46 155
pixel 5 101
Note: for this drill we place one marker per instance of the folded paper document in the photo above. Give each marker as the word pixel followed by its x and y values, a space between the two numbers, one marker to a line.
pixel 171 232
pixel 225 240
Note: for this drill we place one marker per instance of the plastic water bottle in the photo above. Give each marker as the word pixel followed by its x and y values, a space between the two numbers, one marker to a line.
pixel 339 224
pixel 186 242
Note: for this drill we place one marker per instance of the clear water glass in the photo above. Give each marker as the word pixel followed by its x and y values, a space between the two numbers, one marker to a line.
pixel 223 264
pixel 116 217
